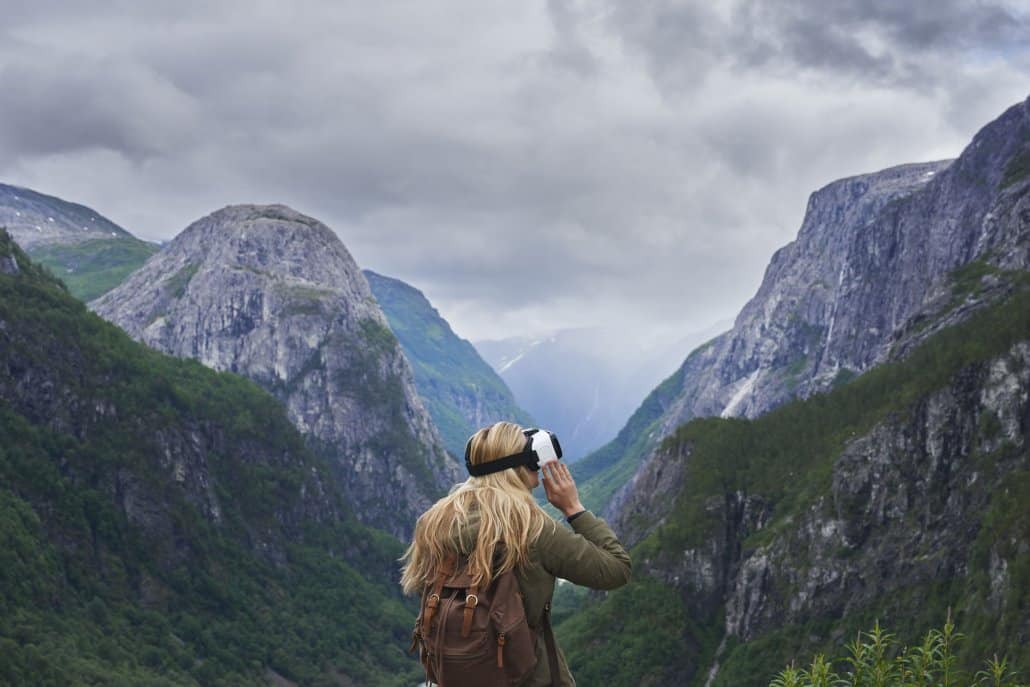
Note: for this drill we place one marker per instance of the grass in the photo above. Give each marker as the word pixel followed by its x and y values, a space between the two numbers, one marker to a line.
pixel 92 268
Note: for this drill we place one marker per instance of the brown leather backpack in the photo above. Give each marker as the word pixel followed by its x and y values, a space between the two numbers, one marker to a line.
pixel 469 637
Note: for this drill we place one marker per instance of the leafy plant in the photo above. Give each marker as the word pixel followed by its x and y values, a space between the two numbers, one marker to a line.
pixel 875 659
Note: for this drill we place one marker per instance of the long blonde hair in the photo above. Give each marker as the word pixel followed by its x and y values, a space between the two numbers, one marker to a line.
pixel 507 510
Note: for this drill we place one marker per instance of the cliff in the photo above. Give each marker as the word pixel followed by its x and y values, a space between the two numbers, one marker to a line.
pixel 894 498
pixel 881 262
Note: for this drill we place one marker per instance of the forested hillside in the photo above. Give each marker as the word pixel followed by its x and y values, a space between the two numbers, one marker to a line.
pixel 894 498
pixel 163 524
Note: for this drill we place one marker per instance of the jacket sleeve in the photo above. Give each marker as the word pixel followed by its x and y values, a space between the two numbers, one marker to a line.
pixel 588 555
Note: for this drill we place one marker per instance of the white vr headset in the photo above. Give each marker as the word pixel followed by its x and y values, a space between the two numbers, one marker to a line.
pixel 541 447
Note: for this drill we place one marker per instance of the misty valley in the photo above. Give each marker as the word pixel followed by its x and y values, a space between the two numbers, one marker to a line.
pixel 213 451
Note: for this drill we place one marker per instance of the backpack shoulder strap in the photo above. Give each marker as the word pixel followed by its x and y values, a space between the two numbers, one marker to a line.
pixel 552 649
pixel 445 570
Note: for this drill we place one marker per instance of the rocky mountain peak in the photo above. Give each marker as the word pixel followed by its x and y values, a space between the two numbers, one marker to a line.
pixel 272 294
pixel 876 267
pixel 274 238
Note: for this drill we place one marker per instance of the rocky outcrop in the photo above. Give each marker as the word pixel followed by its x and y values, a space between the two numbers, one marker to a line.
pixel 8 265
pixel 871 274
pixel 274 295
pixel 905 510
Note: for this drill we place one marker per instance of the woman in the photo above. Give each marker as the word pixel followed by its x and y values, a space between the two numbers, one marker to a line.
pixel 483 512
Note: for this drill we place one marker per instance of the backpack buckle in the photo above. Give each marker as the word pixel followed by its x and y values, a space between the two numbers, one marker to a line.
pixel 471 601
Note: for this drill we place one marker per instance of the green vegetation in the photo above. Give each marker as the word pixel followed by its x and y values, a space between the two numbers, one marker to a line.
pixel 968 280
pixel 92 268
pixel 875 659
pixel 647 622
pixel 164 524
pixel 452 379
pixel 1017 169
pixel 180 280
pixel 786 459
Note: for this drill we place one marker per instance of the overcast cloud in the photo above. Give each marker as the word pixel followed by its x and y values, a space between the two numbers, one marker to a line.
pixel 529 165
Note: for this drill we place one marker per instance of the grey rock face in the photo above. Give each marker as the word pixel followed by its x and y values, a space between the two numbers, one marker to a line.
pixel 902 511
pixel 274 295
pixel 868 277
pixel 8 265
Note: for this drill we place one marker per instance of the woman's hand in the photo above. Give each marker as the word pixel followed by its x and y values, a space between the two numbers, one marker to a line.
pixel 561 488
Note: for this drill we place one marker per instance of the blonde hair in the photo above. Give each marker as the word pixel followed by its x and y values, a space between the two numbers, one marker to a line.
pixel 508 513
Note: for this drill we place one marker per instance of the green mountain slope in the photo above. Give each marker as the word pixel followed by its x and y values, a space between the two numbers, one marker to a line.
pixel 161 523
pixel 461 391
pixel 89 252
pixel 92 268
pixel 893 498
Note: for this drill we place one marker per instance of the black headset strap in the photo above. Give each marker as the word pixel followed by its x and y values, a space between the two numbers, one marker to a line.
pixel 512 461
pixel 526 457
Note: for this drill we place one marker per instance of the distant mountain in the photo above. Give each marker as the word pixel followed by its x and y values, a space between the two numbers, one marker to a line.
pixel 881 262
pixel 274 295
pixel 87 251
pixel 461 392
pixel 164 524
pixel 585 383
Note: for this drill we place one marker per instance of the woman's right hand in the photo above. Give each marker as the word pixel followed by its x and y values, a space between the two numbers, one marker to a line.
pixel 561 488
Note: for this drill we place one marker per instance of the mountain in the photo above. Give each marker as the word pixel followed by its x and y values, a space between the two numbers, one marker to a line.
pixel 584 383
pixel 899 498
pixel 854 450
pixel 269 293
pixel 461 392
pixel 164 524
pixel 881 262
pixel 89 252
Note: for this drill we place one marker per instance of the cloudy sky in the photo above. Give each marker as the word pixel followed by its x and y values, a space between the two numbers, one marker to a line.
pixel 529 165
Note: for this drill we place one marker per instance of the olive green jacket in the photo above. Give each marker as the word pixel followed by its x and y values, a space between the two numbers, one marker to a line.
pixel 589 555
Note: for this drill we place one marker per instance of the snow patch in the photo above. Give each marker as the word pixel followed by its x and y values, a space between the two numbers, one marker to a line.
pixel 511 362
pixel 740 395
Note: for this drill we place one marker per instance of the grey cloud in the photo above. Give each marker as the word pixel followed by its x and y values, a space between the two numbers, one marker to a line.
pixel 880 41
pixel 54 103
pixel 516 161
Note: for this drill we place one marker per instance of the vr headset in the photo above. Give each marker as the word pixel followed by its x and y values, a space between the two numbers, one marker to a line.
pixel 541 447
